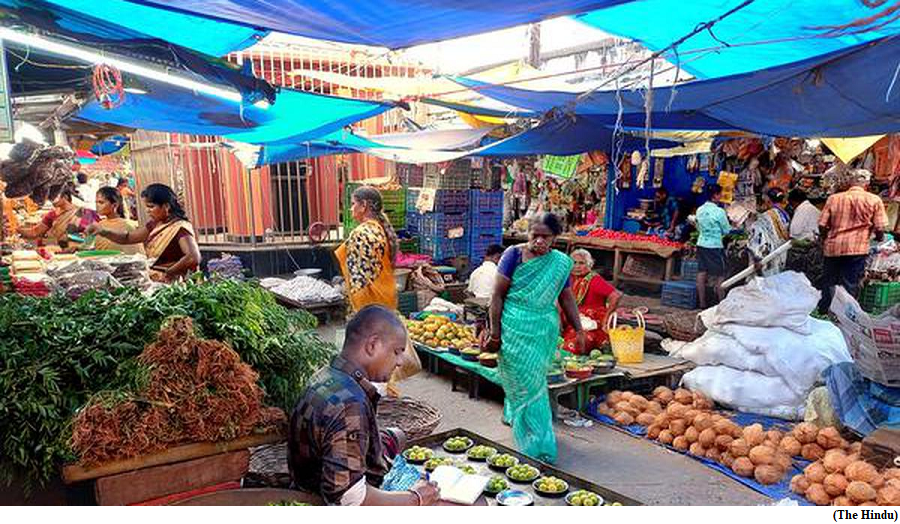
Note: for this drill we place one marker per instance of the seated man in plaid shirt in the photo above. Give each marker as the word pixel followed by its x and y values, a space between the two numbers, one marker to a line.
pixel 335 447
pixel 848 223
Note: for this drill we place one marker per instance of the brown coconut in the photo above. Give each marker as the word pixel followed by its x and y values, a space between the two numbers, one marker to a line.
pixel 740 448
pixel 815 473
pixel 714 454
pixel 676 410
pixel 799 484
pixel 754 435
pixel 843 500
pixel 812 452
pixel 697 449
pixel 861 471
pixel 767 474
pixel 761 455
pixel 691 434
pixel 783 461
pixel 723 442
pixel 727 459
pixel 888 496
pixel 816 494
pixel 680 443
pixel 703 421
pixel 683 396
pixel 743 467
pixel 624 418
pixel 835 461
pixel 702 402
pixel 805 432
pixel 829 438
pixel 653 431
pixel 645 419
pixel 835 484
pixel 678 427
pixel 614 397
pixel 654 408
pixel 666 437
pixel 790 445
pixel 639 402
pixel 708 438
pixel 860 492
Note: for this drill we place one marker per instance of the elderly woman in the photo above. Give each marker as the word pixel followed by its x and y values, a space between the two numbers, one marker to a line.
pixel 524 327
pixel 596 299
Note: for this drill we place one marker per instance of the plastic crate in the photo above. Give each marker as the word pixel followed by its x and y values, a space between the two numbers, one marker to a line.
pixel 679 294
pixel 445 200
pixel 411 175
pixel 486 223
pixel 393 202
pixel 457 175
pixel 444 248
pixel 407 302
pixel 689 270
pixel 486 201
pixel 435 224
pixel 878 297
pixel 478 244
pixel 409 245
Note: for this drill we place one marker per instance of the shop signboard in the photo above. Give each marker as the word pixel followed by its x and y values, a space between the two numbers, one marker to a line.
pixel 560 166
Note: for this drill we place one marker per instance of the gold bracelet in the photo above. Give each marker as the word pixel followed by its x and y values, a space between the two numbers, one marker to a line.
pixel 418 497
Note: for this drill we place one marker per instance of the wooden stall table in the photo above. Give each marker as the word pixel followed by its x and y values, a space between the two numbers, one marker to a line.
pixel 621 247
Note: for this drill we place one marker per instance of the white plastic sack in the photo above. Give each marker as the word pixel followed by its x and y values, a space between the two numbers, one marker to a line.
pixel 746 391
pixel 720 349
pixel 782 300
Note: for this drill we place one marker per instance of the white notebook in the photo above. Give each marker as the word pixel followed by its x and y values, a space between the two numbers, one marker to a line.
pixel 457 486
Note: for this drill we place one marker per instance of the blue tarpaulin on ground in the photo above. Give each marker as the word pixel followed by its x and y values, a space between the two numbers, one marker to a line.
pixel 853 92
pixel 294 117
pixel 765 33
pixel 121 21
pixel 387 23
pixel 774 491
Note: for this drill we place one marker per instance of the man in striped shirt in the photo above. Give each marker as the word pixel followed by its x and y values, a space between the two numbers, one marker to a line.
pixel 848 223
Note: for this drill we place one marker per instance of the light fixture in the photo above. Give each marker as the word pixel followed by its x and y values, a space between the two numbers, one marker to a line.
pixel 134 91
pixel 87 55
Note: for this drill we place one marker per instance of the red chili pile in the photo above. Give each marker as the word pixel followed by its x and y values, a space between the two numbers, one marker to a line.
pixel 608 234
pixel 198 391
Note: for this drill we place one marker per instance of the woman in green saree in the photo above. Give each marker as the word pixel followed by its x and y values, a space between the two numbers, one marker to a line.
pixel 524 328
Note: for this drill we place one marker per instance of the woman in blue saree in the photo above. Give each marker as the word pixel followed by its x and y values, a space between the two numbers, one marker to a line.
pixel 524 327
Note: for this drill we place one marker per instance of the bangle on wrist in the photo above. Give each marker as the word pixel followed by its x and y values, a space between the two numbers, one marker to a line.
pixel 418 497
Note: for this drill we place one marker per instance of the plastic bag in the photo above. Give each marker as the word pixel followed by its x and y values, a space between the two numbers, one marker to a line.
pixel 746 391
pixel 819 410
pixel 410 365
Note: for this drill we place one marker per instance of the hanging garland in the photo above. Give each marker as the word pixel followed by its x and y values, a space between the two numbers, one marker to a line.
pixel 108 86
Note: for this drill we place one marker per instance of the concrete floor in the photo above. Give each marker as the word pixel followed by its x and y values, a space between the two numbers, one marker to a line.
pixel 631 466
pixel 625 464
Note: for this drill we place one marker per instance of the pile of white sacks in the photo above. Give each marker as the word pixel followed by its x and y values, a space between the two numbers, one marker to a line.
pixel 762 352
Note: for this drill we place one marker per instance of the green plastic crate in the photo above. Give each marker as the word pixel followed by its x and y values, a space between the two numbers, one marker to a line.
pixel 877 297
pixel 394 203
pixel 409 246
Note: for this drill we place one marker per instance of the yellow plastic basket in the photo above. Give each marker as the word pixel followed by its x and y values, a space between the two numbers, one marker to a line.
pixel 627 342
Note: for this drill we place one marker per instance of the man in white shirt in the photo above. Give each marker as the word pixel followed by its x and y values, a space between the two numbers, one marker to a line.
pixel 481 283
pixel 87 191
pixel 805 224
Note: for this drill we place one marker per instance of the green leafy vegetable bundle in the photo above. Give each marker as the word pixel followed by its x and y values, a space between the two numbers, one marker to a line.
pixel 55 354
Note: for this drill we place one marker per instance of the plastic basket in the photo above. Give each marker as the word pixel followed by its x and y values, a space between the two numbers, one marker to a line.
pixel 627 342
pixel 411 175
pixel 409 245
pixel 444 248
pixel 456 176
pixel 478 244
pixel 445 201
pixel 436 225
pixel 393 202
pixel 678 293
pixel 877 297
pixel 486 201
pixel 689 269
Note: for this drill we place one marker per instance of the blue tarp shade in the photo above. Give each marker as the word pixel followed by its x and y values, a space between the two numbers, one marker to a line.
pixel 296 116
pixel 847 93
pixel 787 26
pixel 111 145
pixel 388 23
pixel 121 21
pixel 566 135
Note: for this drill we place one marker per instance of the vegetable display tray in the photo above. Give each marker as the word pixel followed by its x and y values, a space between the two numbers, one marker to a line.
pixel 435 443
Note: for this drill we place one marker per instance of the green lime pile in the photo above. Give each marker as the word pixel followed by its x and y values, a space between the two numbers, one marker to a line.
pixel 457 443
pixel 503 461
pixel 482 452
pixel 584 498
pixel 418 454
pixel 496 484
pixel 551 485
pixel 432 464
pixel 522 472
pixel 468 470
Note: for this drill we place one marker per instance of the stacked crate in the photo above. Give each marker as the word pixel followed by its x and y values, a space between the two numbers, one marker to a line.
pixel 393 202
pixel 449 216
pixel 485 223
pixel 679 293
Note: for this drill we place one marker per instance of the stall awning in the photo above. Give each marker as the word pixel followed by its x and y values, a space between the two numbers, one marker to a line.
pixel 762 34
pixel 847 93
pixel 387 23
pixel 294 117
pixel 119 21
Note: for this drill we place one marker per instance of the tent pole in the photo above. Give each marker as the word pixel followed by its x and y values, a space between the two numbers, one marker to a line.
pixel 610 213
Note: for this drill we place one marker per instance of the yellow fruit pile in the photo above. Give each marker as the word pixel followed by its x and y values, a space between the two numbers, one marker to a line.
pixel 439 331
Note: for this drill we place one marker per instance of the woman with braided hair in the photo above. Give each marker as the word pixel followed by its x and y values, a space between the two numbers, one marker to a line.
pixel 367 256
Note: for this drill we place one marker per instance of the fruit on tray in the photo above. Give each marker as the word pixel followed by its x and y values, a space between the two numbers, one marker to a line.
pixel 584 498
pixel 440 331
pixel 503 461
pixel 522 472
pixel 418 454
pixel 471 351
pixel 467 469
pixel 488 356
pixel 551 485
pixel 482 452
pixel 496 484
pixel 457 443
pixel 433 463
pixel 575 366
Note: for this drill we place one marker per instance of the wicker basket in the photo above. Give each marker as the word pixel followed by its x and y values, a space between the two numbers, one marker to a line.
pixel 416 418
pixel 686 326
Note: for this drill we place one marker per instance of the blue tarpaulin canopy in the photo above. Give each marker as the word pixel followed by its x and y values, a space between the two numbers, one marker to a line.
pixel 118 21
pixel 792 30
pixel 852 92
pixel 387 23
pixel 295 117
